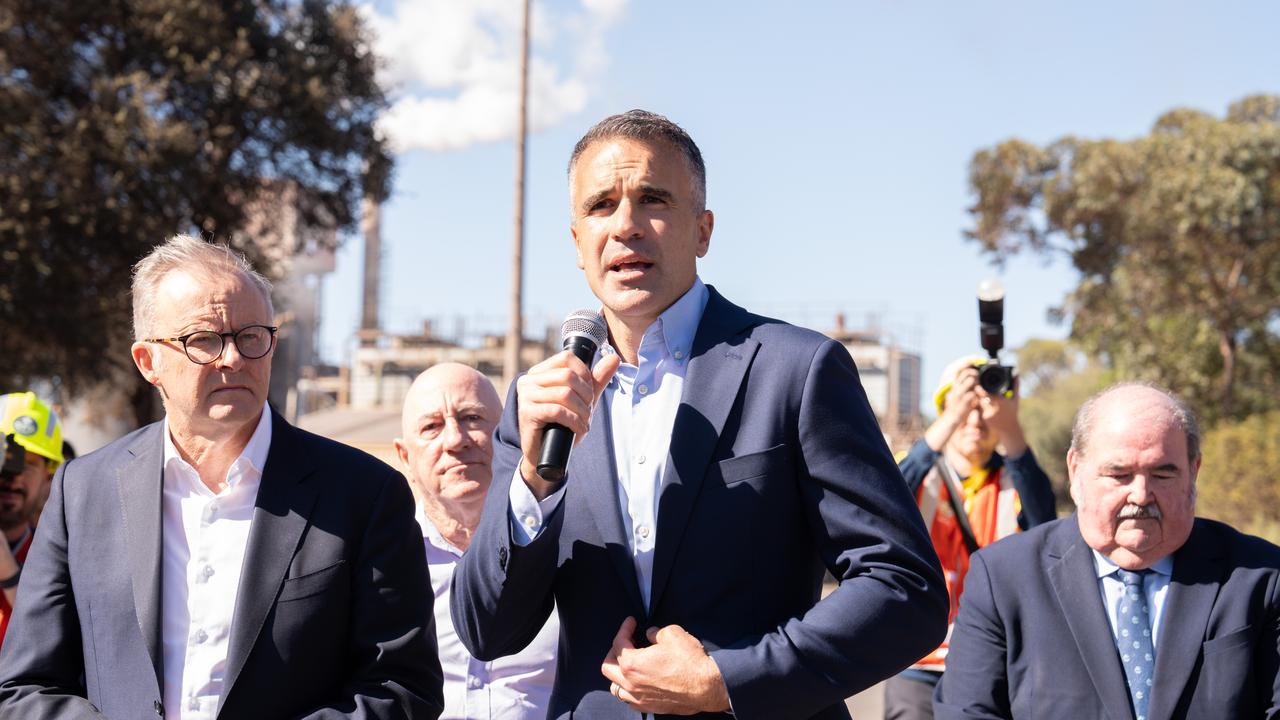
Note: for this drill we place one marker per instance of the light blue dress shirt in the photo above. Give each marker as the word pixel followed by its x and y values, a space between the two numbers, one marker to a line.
pixel 1155 586
pixel 642 400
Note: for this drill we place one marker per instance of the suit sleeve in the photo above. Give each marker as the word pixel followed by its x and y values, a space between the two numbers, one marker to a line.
pixel 392 649
pixel 1034 490
pixel 890 607
pixel 502 592
pixel 916 464
pixel 976 683
pixel 42 662
pixel 1267 660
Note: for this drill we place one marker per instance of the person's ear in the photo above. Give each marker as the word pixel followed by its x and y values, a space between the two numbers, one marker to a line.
pixel 147 360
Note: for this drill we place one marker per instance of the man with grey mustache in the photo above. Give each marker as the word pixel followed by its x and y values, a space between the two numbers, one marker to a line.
pixel 1132 608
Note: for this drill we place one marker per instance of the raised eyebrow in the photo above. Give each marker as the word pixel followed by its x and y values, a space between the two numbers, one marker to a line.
pixel 425 417
pixel 664 195
pixel 594 198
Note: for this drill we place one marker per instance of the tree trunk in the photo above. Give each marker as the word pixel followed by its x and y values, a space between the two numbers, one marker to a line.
pixel 1227 346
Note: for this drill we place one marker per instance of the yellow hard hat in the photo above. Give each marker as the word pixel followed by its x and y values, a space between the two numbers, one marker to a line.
pixel 33 425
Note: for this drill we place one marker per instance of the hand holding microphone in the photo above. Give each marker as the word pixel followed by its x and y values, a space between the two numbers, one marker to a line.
pixel 555 399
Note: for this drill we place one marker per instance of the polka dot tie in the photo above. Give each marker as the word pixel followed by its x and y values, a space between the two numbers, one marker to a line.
pixel 1137 653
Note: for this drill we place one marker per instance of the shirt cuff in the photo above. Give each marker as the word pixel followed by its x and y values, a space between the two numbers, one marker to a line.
pixel 526 512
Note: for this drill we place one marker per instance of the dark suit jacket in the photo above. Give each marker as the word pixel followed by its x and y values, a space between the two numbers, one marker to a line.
pixel 1032 639
pixel 776 471
pixel 333 615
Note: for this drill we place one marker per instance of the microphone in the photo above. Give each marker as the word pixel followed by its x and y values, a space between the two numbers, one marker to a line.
pixel 582 334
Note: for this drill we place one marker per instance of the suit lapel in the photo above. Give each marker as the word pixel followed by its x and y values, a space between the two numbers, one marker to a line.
pixel 1197 576
pixel 140 484
pixel 1075 581
pixel 718 364
pixel 592 464
pixel 280 518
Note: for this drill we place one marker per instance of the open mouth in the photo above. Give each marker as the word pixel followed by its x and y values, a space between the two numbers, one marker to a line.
pixel 630 266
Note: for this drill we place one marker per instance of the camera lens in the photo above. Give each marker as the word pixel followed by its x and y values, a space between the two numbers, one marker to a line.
pixel 995 379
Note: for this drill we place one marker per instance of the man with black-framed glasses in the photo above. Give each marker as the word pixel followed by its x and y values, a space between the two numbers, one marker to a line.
pixel 221 563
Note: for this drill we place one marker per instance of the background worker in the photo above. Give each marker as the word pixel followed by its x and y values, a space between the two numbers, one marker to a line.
pixel 1000 492
pixel 32 453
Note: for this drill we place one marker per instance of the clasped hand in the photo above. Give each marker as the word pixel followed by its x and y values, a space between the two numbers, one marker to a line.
pixel 674 675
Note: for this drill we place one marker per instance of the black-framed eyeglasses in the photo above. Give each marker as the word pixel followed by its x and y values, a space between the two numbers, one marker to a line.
pixel 204 346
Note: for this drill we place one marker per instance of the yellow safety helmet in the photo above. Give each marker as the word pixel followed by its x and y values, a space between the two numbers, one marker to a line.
pixel 33 426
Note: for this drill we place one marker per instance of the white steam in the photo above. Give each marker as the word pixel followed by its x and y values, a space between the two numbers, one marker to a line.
pixel 452 67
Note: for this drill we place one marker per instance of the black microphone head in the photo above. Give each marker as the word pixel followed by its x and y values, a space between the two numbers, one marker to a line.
pixel 585 323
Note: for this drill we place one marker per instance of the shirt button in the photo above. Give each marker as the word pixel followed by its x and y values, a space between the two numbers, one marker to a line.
pixel 640 460
pixel 643 389
pixel 194 704
pixel 643 531
pixel 679 354
pixel 200 636
pixel 206 572
pixel 530 521
pixel 473 683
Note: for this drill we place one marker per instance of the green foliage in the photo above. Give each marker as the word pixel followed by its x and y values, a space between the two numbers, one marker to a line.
pixel 1239 480
pixel 122 123
pixel 1064 379
pixel 1177 239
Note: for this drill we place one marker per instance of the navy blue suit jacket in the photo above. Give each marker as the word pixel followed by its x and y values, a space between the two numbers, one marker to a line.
pixel 1032 639
pixel 332 617
pixel 777 472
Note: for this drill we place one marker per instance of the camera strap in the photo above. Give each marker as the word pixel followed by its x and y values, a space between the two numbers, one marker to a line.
pixel 955 493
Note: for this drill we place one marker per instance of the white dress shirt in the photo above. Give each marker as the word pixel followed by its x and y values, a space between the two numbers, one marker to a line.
pixel 642 400
pixel 516 687
pixel 1155 586
pixel 203 539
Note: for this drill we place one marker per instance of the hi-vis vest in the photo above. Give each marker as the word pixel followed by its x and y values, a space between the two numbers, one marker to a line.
pixel 992 506
pixel 19 554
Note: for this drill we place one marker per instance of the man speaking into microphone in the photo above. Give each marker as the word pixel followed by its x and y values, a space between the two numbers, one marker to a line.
pixel 723 461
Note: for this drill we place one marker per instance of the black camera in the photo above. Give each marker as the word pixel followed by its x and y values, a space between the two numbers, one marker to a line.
pixel 995 378
pixel 15 457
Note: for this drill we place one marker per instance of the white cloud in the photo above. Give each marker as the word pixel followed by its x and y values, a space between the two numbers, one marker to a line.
pixel 453 67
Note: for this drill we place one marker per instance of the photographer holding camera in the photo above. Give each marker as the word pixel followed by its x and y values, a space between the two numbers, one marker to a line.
pixel 970 494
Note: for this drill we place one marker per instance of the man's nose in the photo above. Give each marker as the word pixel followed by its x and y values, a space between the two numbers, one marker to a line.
pixel 625 225
pixel 1140 490
pixel 452 435
pixel 230 359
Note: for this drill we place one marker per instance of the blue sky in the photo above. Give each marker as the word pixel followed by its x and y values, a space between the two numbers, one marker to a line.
pixel 837 138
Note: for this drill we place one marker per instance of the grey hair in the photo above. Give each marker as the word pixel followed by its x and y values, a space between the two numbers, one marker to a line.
pixel 1183 416
pixel 191 255
pixel 645 126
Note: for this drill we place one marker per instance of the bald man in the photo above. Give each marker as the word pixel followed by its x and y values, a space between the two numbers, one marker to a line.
pixel 446 452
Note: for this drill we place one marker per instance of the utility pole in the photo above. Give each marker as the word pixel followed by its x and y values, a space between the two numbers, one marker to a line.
pixel 515 330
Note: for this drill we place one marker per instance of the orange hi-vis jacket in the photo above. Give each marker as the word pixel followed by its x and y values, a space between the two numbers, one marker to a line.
pixel 19 554
pixel 992 505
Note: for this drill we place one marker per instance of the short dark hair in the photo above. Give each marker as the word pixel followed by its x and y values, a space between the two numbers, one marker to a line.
pixel 646 126
pixel 1082 428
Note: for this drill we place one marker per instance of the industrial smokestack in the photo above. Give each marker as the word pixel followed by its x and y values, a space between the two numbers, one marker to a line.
pixel 370 227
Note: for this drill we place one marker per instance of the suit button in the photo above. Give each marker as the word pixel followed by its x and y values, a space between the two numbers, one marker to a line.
pixel 502 558
pixel 159 706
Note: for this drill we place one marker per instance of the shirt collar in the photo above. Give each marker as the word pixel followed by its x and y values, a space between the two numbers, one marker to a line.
pixel 254 453
pixel 678 324
pixel 1104 567
pixel 431 534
